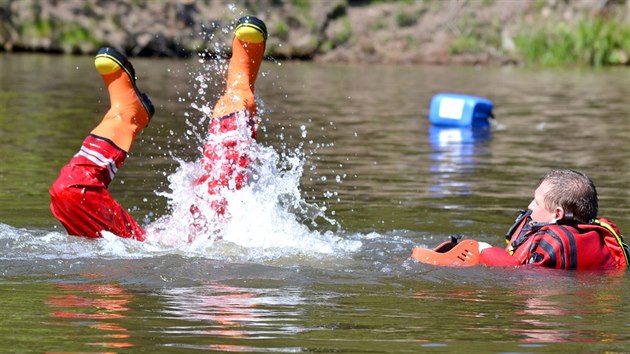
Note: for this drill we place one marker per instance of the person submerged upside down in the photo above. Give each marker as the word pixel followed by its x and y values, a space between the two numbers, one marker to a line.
pixel 559 229
pixel 80 199
pixel 225 155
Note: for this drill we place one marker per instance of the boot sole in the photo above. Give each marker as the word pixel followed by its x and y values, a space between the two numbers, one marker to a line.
pixel 120 61
pixel 249 29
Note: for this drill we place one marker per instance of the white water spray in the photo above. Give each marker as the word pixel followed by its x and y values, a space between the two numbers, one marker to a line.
pixel 267 218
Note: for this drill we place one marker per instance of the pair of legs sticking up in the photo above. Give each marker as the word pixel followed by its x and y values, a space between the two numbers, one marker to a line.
pixel 79 197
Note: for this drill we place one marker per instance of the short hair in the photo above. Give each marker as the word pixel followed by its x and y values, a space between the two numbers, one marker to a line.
pixel 573 191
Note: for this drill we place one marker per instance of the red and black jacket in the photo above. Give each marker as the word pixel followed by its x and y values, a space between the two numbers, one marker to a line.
pixel 577 246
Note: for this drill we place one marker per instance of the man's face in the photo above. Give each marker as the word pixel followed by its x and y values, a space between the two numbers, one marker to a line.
pixel 539 212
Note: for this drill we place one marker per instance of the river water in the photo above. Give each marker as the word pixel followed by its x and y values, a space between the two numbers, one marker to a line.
pixel 315 257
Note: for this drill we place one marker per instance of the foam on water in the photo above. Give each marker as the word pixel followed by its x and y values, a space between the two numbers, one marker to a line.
pixel 18 243
pixel 266 219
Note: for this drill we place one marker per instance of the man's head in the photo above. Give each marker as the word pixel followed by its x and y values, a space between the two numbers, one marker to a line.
pixel 564 191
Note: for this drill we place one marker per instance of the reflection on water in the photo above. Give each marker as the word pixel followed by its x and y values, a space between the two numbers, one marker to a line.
pixel 558 315
pixel 230 314
pixel 456 151
pixel 537 308
pixel 102 307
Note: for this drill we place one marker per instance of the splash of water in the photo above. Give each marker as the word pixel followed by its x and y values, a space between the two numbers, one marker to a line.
pixel 267 218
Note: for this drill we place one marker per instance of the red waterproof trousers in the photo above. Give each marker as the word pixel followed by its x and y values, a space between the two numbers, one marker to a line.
pixel 80 199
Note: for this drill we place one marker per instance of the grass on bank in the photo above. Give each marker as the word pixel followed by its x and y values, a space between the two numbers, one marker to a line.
pixel 592 41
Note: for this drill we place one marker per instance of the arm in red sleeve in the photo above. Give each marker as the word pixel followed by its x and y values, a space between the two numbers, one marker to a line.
pixel 496 256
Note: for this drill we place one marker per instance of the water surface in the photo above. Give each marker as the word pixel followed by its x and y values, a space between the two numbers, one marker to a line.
pixel 375 181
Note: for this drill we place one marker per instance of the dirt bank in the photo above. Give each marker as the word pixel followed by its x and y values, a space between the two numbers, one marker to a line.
pixel 401 32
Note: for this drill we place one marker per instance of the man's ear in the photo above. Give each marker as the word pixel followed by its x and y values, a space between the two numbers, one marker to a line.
pixel 558 213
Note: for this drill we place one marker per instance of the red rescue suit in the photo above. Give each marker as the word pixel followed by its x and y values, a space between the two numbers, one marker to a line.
pixel 225 155
pixel 596 246
pixel 80 199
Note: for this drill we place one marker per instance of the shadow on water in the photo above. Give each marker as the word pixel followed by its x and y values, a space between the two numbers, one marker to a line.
pixel 370 163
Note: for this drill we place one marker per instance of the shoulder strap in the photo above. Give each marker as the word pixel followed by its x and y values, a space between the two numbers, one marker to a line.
pixel 626 250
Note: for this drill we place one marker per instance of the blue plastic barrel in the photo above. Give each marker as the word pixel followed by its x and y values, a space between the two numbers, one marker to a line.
pixel 456 110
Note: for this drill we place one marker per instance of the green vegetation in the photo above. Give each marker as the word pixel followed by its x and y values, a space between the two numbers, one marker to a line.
pixel 378 25
pixel 411 42
pixel 473 38
pixel 345 34
pixel 37 29
pixel 303 5
pixel 74 35
pixel 341 36
pixel 404 2
pixel 594 41
pixel 406 18
pixel 465 44
pixel 280 30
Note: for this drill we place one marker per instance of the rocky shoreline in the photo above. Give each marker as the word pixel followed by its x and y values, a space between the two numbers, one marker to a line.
pixel 465 32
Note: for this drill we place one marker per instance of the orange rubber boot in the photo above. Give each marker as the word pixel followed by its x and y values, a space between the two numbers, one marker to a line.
pixel 248 48
pixel 130 110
